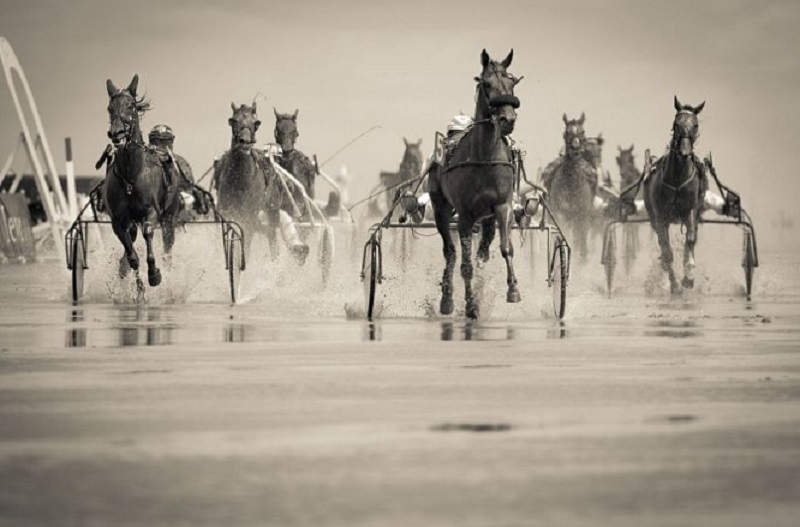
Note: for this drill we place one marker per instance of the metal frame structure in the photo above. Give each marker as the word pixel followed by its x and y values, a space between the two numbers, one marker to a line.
pixel 34 139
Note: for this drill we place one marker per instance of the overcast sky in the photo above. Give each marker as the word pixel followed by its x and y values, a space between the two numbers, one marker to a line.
pixel 408 67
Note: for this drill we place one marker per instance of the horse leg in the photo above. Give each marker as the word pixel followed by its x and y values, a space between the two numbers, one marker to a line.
pixel 502 216
pixel 465 224
pixel 273 223
pixel 442 212
pixel 688 252
pixel 488 228
pixel 662 232
pixel 153 274
pixel 129 260
pixel 582 235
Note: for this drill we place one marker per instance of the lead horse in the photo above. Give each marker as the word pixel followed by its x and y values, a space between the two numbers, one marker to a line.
pixel 477 183
pixel 673 192
pixel 138 191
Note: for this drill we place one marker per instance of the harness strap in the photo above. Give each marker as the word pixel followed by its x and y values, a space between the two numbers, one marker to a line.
pixel 477 163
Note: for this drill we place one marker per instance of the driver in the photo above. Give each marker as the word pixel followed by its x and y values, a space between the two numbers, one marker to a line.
pixel 162 139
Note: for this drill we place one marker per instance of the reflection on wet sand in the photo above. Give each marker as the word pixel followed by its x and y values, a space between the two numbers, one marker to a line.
pixel 76 337
pixel 137 326
pixel 676 329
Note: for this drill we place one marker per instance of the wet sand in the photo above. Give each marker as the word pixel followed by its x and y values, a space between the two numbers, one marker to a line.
pixel 673 412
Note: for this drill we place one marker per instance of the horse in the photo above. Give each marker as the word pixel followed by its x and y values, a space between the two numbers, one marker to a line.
pixel 295 161
pixel 572 184
pixel 139 191
pixel 392 182
pixel 628 173
pixel 243 179
pixel 673 192
pixel 477 182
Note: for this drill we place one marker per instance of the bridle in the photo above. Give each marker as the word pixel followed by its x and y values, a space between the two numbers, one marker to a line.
pixel 677 135
pixel 502 99
pixel 130 122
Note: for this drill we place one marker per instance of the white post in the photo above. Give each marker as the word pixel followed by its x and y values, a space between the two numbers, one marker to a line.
pixel 72 195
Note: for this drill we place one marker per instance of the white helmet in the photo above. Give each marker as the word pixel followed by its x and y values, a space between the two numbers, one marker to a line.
pixel 459 123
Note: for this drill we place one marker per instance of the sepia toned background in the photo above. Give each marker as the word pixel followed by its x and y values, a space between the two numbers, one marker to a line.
pixel 408 66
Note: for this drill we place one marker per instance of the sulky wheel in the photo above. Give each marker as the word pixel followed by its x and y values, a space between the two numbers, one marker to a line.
pixel 609 260
pixel 234 261
pixel 371 276
pixel 326 254
pixel 748 262
pixel 78 265
pixel 631 235
pixel 559 274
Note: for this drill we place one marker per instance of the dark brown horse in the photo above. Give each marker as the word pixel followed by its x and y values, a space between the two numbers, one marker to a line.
pixel 293 160
pixel 573 184
pixel 392 182
pixel 477 183
pixel 673 192
pixel 138 191
pixel 242 178
pixel 628 173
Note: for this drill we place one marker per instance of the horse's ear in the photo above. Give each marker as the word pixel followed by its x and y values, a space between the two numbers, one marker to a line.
pixel 631 148
pixel 484 58
pixel 600 139
pixel 419 142
pixel 582 119
pixel 233 107
pixel 294 116
pixel 507 61
pixel 619 148
pixel 405 142
pixel 677 104
pixel 277 115
pixel 566 121
pixel 254 107
pixel 699 108
pixel 133 85
pixel 111 88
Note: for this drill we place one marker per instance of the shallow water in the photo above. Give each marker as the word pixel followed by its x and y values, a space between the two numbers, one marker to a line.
pixel 289 408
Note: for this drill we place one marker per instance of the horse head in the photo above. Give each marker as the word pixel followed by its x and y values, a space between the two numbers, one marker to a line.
pixel 496 99
pixel 574 135
pixel 625 157
pixel 411 164
pixel 124 107
pixel 286 129
pixel 685 128
pixel 244 124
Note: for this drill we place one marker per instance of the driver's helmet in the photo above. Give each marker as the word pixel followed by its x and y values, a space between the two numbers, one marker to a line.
pixel 459 123
pixel 274 149
pixel 161 132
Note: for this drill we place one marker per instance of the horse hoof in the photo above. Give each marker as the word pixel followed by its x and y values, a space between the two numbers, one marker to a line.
pixel 483 256
pixel 300 253
pixel 124 267
pixel 472 311
pixel 133 262
pixel 154 277
pixel 687 283
pixel 446 306
pixel 674 288
pixel 513 296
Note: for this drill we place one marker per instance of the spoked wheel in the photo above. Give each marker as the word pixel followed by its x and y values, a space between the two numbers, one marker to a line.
pixel 371 275
pixel 631 234
pixel 559 275
pixel 78 265
pixel 234 263
pixel 748 262
pixel 609 260
pixel 326 255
